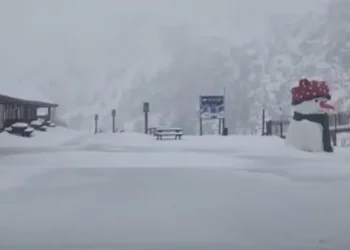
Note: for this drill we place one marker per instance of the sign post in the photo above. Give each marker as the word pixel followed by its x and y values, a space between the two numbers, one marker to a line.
pixel 263 122
pixel 145 111
pixel 224 128
pixel 210 108
pixel 114 112
pixel 96 121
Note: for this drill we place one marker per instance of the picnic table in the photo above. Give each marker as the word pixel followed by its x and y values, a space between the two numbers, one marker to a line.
pixel 161 132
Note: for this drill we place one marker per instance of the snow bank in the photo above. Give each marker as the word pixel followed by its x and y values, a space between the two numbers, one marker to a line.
pixel 254 148
pixel 93 160
pixel 118 139
pixel 213 143
pixel 53 137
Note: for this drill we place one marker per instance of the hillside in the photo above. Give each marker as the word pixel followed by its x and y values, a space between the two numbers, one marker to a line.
pixel 170 63
pixel 256 75
pixel 313 46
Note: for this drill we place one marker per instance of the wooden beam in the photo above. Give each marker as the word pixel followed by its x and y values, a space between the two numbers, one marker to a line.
pixel 12 100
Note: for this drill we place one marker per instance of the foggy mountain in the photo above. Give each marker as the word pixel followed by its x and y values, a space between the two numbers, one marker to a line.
pixel 316 45
pixel 93 56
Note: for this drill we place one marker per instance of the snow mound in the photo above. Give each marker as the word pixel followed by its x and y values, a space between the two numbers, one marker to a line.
pixel 53 137
pixel 246 146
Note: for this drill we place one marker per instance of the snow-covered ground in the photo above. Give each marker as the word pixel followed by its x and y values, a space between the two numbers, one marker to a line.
pixel 129 191
pixel 40 141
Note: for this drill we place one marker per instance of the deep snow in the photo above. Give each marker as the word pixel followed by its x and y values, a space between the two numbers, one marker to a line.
pixel 129 191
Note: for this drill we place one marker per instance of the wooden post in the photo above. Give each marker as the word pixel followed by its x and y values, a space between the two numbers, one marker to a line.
pixel 223 121
pixel 200 117
pixel 268 128
pixel 335 129
pixel 145 111
pixel 281 126
pixel 26 113
pixel 281 129
pixel 114 112
pixel 223 124
pixel 49 113
pixel 96 121
pixel 263 122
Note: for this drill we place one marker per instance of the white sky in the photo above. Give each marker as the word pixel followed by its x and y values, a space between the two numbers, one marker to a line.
pixel 41 32
pixel 40 18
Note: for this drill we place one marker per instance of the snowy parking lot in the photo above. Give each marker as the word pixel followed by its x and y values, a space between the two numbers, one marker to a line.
pixel 129 191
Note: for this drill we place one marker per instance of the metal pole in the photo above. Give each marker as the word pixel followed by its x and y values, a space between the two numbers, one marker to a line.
pixel 281 127
pixel 224 118
pixel 146 123
pixel 113 120
pixel 145 111
pixel 263 122
pixel 49 113
pixel 335 129
pixel 200 117
pixel 96 123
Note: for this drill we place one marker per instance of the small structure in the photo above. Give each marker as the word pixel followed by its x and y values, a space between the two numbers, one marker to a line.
pixel 13 110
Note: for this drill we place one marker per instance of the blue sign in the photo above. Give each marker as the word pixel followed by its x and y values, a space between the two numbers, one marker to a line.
pixel 212 107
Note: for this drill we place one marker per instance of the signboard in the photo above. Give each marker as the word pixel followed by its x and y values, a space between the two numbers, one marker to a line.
pixel 212 107
pixel 146 107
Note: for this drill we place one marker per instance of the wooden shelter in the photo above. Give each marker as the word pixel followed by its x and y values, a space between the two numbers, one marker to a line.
pixel 14 110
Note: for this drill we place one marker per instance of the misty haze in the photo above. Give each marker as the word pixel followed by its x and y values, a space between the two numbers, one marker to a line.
pixel 91 56
pixel 245 145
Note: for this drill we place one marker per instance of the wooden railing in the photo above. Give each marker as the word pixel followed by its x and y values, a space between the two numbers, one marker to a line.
pixel 338 123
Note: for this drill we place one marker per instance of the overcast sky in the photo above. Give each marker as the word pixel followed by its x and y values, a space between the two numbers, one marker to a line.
pixel 39 32
pixel 44 17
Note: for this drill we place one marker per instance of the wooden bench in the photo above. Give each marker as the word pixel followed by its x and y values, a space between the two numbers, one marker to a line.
pixel 49 123
pixel 159 133
pixel 38 125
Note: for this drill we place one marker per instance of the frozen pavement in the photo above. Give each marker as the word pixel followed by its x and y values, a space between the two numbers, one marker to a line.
pixel 128 191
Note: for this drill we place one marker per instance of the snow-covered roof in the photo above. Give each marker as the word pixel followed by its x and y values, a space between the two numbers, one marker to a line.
pixel 25 93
